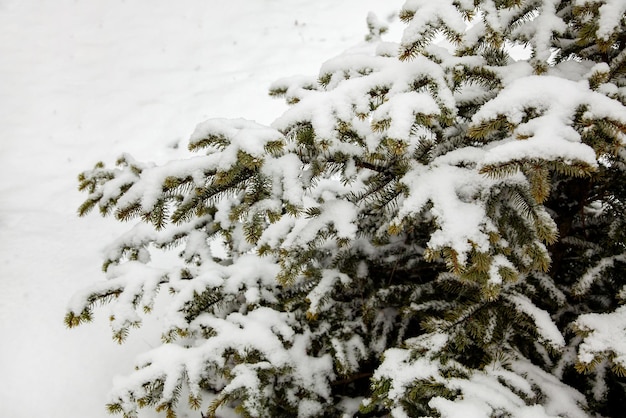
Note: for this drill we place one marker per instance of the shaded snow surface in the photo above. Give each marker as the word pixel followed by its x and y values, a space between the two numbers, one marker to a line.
pixel 82 81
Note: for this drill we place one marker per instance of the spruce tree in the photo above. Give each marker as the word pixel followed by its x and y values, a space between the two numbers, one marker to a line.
pixel 433 228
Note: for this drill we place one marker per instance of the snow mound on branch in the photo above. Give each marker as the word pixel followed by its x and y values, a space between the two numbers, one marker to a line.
pixel 549 135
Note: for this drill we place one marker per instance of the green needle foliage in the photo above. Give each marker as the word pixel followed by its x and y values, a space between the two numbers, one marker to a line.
pixel 433 228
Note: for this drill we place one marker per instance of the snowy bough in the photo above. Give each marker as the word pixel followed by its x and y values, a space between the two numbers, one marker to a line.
pixel 427 231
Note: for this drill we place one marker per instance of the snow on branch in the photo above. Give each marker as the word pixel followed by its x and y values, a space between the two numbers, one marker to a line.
pixel 410 236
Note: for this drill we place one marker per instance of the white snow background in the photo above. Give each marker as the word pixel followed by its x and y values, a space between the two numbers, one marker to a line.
pixel 83 81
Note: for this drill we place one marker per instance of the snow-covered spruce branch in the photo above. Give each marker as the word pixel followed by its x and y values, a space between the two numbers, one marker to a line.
pixel 423 215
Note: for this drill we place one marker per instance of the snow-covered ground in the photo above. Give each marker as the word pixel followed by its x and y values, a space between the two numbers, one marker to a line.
pixel 82 81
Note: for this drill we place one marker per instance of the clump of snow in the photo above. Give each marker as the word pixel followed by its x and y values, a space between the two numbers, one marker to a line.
pixel 586 280
pixel 401 110
pixel 344 98
pixel 604 336
pixel 323 288
pixel 452 191
pixel 482 393
pixel 611 14
pixel 337 215
pixel 241 134
pixel 549 135
pixel 427 15
pixel 499 261
pixel 546 327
